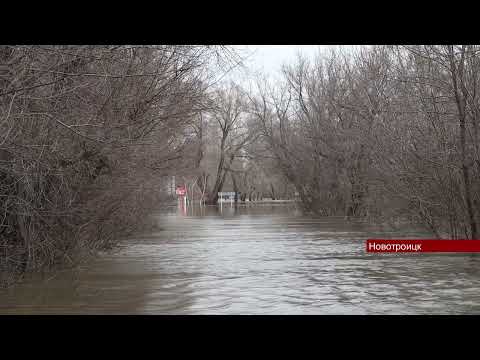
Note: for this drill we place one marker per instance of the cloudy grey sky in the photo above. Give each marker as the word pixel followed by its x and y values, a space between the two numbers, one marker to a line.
pixel 271 57
pixel 268 59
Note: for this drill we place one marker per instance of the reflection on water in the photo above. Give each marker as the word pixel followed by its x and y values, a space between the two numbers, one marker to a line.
pixel 261 259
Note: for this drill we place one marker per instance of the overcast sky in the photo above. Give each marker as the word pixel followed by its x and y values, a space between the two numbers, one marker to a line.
pixel 271 57
pixel 268 59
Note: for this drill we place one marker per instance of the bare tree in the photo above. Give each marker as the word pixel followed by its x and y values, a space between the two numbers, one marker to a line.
pixel 231 117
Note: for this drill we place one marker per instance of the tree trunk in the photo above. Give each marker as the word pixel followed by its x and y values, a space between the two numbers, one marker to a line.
pixel 272 192
pixel 235 187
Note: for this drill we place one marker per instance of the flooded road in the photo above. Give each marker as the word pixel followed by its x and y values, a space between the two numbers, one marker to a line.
pixel 262 259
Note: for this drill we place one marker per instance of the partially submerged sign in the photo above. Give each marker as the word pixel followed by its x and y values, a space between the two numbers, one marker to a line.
pixel 226 195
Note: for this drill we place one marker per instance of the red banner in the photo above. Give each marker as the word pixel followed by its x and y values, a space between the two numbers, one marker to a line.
pixel 421 245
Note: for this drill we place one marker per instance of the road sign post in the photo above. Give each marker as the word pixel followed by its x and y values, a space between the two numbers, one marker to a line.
pixel 223 196
pixel 182 192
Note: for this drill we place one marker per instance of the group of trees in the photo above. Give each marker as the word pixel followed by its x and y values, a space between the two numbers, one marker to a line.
pixel 383 131
pixel 87 133
pixel 230 153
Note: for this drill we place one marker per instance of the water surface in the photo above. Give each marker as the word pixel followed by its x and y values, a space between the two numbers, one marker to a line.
pixel 262 259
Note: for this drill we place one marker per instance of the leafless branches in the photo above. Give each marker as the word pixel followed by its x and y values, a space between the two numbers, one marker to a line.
pixel 385 131
pixel 87 133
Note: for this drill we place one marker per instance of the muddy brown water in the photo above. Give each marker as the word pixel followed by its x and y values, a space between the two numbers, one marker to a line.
pixel 262 259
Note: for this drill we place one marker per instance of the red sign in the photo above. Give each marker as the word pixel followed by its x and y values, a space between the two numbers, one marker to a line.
pixel 181 191
pixel 422 245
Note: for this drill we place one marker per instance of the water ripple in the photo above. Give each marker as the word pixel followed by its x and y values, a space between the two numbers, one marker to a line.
pixel 265 260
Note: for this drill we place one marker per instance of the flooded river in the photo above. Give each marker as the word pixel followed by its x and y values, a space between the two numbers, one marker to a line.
pixel 262 259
